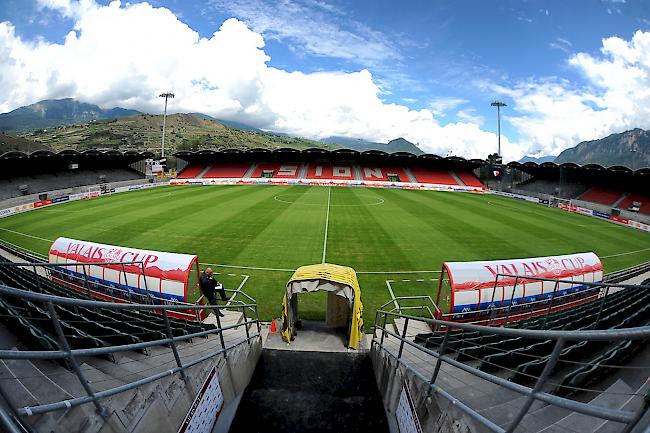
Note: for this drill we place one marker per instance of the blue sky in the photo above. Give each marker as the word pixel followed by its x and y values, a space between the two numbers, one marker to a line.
pixel 444 59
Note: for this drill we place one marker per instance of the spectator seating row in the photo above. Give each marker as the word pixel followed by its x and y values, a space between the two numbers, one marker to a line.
pixel 581 363
pixel 10 187
pixel 327 171
pixel 601 195
pixel 83 327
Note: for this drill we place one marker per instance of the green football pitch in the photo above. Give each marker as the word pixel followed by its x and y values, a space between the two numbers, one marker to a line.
pixel 255 236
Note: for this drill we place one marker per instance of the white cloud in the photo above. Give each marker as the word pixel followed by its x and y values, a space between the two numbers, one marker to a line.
pixel 555 114
pixel 313 29
pixel 440 106
pixel 125 55
pixel 469 115
pixel 561 44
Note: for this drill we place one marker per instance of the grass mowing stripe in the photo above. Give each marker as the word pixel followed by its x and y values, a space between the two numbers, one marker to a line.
pixel 327 222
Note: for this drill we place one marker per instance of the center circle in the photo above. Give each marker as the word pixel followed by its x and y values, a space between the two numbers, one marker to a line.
pixel 288 198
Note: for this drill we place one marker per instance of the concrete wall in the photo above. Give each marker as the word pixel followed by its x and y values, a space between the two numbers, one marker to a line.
pixel 161 407
pixel 436 414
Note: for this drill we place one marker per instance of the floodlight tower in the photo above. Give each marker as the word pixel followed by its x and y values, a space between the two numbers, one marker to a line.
pixel 498 104
pixel 165 95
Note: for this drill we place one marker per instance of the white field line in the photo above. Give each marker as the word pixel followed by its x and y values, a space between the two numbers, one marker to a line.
pixel 624 254
pixel 241 285
pixel 27 235
pixel 392 295
pixel 327 222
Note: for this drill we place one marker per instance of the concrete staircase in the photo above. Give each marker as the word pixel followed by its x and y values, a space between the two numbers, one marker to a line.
pixel 623 389
pixel 304 392
pixel 158 407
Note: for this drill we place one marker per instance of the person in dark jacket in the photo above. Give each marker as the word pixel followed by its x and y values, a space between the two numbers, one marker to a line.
pixel 209 286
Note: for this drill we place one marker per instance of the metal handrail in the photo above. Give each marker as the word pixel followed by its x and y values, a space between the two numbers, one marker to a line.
pixel 630 418
pixel 72 355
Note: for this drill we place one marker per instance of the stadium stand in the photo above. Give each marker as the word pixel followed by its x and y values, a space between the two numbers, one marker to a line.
pixel 24 185
pixel 192 171
pixel 383 173
pixel 83 327
pixel 428 175
pixel 469 178
pixel 329 172
pixel 601 195
pixel 233 170
pixel 631 198
pixel 277 170
pixel 581 363
pixel 23 174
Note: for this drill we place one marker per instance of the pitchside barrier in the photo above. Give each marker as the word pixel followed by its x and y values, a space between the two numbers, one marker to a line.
pixel 160 277
pixel 566 205
pixel 326 182
pixel 74 197
pixel 508 290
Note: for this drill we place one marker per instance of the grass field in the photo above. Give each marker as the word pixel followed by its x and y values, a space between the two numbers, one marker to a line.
pixel 385 234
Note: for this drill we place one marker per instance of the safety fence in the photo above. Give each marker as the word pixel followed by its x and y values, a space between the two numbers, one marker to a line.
pixel 558 342
pixel 67 353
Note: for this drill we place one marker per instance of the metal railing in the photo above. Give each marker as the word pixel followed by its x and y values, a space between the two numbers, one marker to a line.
pixel 71 355
pixel 629 418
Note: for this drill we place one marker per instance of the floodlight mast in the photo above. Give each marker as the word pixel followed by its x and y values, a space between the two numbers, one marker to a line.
pixel 165 95
pixel 498 104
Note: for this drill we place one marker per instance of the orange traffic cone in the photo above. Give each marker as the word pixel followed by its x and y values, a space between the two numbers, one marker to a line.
pixel 273 328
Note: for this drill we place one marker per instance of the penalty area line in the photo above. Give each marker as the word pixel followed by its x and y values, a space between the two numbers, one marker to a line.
pixel 27 235
pixel 241 285
pixel 392 295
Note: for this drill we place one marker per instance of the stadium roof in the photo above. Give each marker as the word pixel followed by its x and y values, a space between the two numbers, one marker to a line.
pixel 550 168
pixel 71 154
pixel 336 154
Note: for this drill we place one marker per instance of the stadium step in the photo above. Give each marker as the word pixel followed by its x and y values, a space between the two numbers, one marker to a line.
pixel 304 392
pixel 204 171
pixel 414 328
pixel 614 397
pixel 456 178
pixel 250 171
pixel 409 173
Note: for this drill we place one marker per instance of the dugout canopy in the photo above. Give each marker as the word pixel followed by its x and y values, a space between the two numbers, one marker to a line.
pixel 344 305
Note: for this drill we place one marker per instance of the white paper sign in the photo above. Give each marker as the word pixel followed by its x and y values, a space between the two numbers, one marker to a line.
pixel 407 417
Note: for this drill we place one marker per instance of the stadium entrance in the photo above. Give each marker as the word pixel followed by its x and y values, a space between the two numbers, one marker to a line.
pixel 344 308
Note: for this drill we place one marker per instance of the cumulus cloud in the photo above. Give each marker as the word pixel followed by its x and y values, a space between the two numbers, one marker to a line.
pixel 552 114
pixel 125 55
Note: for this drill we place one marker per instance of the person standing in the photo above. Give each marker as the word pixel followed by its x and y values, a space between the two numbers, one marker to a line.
pixel 209 286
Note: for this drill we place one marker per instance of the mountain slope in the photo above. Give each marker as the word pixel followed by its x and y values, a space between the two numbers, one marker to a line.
pixel 10 143
pixel 630 148
pixel 538 160
pixel 56 112
pixel 144 131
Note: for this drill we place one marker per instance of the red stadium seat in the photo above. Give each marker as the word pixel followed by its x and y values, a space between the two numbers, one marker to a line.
pixel 377 173
pixel 627 202
pixel 330 172
pixel 469 179
pixel 227 170
pixel 280 171
pixel 601 195
pixel 191 171
pixel 427 175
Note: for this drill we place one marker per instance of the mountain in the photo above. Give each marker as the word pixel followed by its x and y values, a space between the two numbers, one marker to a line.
pixel 56 112
pixel 230 123
pixel 629 148
pixel 397 145
pixel 144 131
pixel 10 143
pixel 538 160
